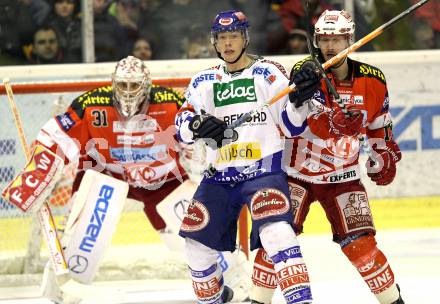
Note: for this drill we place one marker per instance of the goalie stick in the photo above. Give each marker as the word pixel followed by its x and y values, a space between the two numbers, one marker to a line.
pixel 330 62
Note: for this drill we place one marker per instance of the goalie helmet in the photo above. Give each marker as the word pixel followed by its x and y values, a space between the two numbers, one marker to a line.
pixel 334 23
pixel 131 83
pixel 230 21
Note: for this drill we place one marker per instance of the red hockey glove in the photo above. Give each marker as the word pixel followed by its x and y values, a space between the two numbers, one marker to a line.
pixel 383 170
pixel 345 126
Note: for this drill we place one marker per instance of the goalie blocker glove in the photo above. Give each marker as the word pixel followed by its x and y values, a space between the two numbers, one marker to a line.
pixel 307 81
pixel 383 170
pixel 211 130
pixel 30 188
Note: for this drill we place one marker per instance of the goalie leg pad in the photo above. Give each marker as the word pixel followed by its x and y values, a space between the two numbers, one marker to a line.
pixel 172 210
pixel 206 274
pixel 99 202
pixel 372 265
pixel 160 204
pixel 279 241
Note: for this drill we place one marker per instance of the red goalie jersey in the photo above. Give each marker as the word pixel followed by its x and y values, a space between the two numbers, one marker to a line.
pixel 141 150
pixel 317 157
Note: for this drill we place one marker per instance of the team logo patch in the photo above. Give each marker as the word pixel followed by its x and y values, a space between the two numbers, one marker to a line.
pixel 356 211
pixel 236 91
pixel 226 21
pixel 267 203
pixel 65 121
pixel 78 263
pixel 196 217
pixel 331 18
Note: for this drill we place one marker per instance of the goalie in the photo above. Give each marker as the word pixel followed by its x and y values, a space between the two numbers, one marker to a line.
pixel 123 138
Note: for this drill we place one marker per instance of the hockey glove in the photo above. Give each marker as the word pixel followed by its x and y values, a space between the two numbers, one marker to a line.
pixel 383 170
pixel 208 128
pixel 307 80
pixel 340 125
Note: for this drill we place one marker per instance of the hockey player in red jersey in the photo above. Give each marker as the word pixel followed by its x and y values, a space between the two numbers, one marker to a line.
pixel 125 130
pixel 324 162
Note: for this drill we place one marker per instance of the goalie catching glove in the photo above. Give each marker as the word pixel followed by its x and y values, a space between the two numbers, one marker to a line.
pixel 30 188
pixel 213 131
pixel 307 81
pixel 383 170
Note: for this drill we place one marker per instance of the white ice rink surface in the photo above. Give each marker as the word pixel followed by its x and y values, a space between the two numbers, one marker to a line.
pixel 414 256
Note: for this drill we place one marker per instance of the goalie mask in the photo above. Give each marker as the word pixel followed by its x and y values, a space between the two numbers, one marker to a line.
pixel 334 23
pixel 131 83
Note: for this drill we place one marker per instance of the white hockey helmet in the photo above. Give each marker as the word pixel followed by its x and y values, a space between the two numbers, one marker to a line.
pixel 334 23
pixel 131 83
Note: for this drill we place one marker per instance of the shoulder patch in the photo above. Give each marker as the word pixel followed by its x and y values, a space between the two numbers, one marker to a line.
pixel 366 70
pixel 160 94
pixel 102 96
pixel 278 65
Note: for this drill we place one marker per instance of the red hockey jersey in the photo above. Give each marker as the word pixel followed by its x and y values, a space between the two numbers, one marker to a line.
pixel 142 150
pixel 316 156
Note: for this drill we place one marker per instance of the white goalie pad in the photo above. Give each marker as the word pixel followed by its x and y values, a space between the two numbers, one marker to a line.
pixel 95 213
pixel 172 210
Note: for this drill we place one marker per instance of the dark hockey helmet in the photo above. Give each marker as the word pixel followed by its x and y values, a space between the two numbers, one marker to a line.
pixel 230 21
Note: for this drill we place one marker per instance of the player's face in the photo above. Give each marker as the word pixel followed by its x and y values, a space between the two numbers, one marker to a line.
pixel 230 45
pixel 331 45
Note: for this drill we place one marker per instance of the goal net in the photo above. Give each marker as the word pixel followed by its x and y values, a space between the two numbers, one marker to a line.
pixel 136 251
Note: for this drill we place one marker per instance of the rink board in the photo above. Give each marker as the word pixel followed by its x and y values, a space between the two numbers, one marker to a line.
pixel 403 213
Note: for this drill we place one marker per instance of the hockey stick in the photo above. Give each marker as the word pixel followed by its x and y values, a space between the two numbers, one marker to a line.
pixel 61 270
pixel 341 55
pixel 44 215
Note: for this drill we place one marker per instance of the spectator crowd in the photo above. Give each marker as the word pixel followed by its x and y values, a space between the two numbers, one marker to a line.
pixel 49 31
